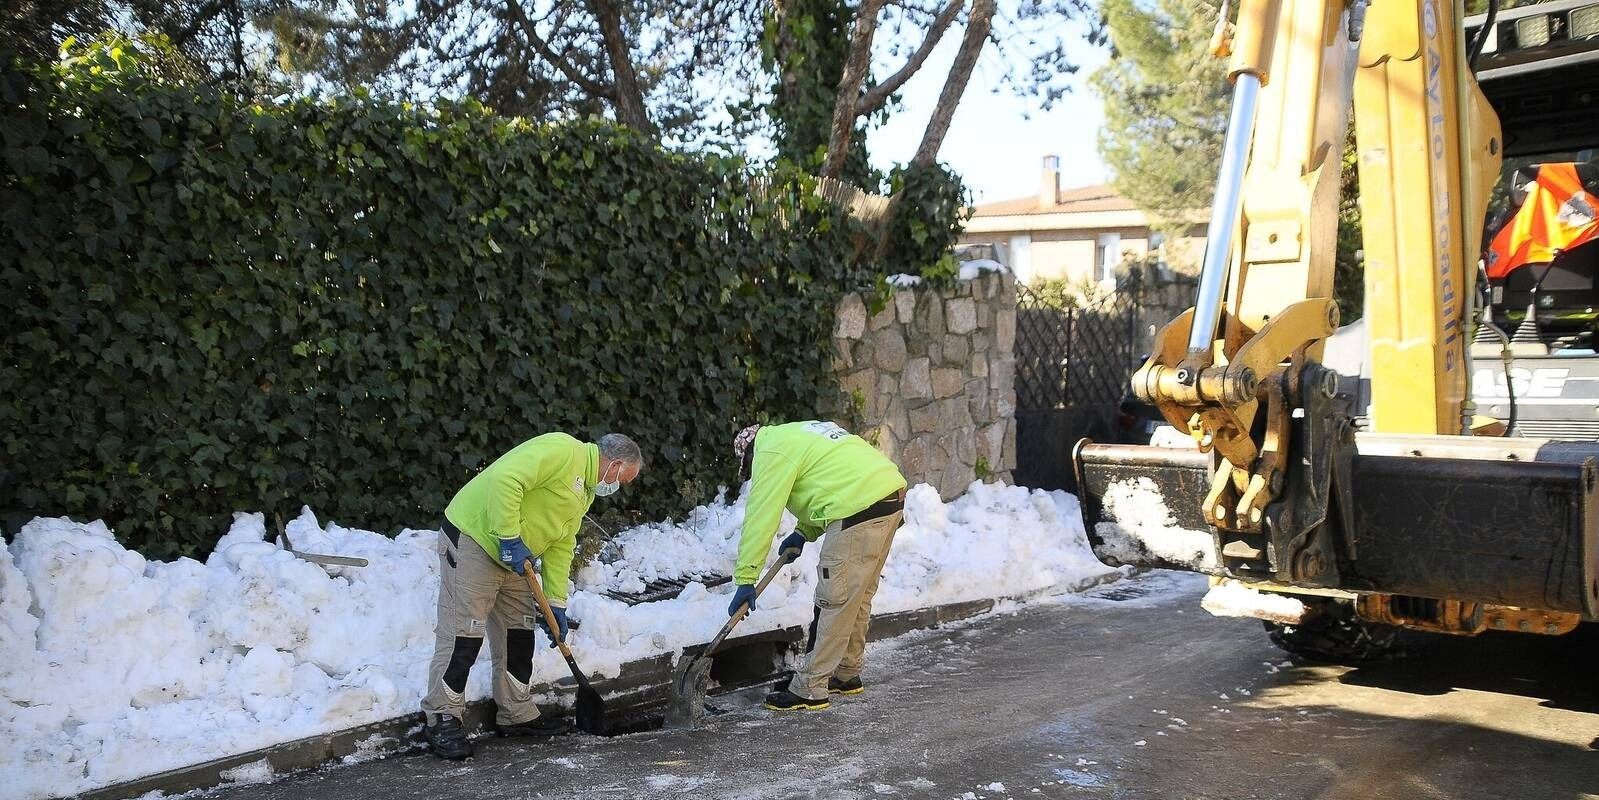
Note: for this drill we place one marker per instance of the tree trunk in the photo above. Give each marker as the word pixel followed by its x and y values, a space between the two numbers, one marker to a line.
pixel 629 98
pixel 960 72
pixel 849 87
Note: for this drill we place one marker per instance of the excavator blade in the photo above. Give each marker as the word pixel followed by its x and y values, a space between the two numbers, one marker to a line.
pixel 1505 521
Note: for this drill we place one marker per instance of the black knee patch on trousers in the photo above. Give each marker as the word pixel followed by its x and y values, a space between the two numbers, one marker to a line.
pixel 519 654
pixel 461 659
pixel 810 642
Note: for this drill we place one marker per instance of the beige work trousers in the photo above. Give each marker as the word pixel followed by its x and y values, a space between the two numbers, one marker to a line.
pixel 478 598
pixel 847 575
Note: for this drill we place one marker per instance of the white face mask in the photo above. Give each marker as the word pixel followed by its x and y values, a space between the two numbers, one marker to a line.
pixel 607 488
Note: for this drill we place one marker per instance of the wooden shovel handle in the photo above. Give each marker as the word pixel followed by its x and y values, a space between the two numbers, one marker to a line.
pixel 744 610
pixel 544 608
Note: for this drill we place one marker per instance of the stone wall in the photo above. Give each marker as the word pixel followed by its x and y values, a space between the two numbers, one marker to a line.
pixel 931 379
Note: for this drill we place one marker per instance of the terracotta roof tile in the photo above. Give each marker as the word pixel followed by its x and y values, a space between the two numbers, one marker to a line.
pixel 1099 197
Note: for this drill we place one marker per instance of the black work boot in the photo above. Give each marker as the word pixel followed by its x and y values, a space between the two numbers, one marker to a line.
pixel 447 739
pixel 851 686
pixel 541 725
pixel 785 700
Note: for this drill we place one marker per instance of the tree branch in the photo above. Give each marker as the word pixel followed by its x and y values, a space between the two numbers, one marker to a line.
pixel 627 98
pixel 960 72
pixel 554 59
pixel 875 97
pixel 204 14
pixel 849 87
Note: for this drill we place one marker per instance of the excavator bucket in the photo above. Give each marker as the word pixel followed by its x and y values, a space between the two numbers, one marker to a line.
pixel 1504 521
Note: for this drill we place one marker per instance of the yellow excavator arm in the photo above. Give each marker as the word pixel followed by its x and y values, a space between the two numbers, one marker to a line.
pixel 1411 521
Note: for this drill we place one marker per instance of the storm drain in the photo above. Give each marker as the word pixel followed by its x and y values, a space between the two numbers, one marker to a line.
pixel 667 588
pixel 1117 591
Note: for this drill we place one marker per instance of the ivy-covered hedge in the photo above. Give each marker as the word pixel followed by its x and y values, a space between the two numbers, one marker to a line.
pixel 931 207
pixel 217 307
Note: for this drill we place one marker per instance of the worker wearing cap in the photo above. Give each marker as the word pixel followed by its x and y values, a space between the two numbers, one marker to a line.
pixel 839 485
pixel 528 504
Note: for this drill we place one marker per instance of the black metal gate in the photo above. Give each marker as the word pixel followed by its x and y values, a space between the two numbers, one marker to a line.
pixel 1073 364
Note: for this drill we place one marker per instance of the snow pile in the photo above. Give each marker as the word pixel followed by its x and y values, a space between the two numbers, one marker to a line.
pixel 117 667
pixel 1138 526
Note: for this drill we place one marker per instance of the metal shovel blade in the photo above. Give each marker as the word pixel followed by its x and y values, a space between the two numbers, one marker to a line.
pixel 590 711
pixel 686 705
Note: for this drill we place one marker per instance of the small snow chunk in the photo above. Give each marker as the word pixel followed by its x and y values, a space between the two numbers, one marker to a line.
pixel 253 772
pixel 1072 777
pixel 1223 695
pixel 1231 598
pixel 975 268
pixel 996 786
pixel 1179 720
pixel 883 788
pixel 1140 743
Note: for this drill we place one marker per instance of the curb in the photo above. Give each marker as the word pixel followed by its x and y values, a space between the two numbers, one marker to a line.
pixel 635 700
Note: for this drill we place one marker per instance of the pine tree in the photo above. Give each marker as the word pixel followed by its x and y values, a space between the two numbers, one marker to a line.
pixel 1166 104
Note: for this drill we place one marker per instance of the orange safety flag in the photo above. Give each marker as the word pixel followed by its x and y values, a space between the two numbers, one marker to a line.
pixel 1556 213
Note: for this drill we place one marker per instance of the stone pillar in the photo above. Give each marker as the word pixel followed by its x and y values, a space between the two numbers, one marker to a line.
pixel 930 379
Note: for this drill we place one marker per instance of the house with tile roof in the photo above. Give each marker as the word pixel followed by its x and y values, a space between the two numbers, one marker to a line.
pixel 1080 235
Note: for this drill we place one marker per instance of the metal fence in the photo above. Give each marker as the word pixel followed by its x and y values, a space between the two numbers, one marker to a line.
pixel 1073 363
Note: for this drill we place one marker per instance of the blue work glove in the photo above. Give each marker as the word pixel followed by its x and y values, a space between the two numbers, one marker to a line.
pixel 514 553
pixel 559 612
pixel 745 594
pixel 791 547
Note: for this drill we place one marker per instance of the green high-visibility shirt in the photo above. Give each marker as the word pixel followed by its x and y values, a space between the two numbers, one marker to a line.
pixel 820 473
pixel 538 491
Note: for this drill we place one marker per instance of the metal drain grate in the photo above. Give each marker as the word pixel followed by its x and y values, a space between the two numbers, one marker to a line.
pixel 666 588
pixel 1120 593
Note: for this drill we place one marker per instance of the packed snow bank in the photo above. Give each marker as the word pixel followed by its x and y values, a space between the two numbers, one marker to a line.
pixel 117 667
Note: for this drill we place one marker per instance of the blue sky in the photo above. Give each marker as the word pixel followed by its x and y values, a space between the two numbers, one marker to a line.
pixel 997 141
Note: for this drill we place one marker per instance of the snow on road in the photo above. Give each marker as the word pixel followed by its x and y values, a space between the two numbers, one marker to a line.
pixel 118 667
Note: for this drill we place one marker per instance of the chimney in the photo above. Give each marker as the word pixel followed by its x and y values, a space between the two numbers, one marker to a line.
pixel 1049 188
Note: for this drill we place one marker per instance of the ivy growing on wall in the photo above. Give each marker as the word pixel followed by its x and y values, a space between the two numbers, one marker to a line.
pixel 218 307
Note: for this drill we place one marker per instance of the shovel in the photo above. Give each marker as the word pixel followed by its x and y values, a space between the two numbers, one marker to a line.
pixel 693 679
pixel 590 710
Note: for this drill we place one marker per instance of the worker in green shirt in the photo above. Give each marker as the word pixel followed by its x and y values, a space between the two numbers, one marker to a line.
pixel 528 504
pixel 839 485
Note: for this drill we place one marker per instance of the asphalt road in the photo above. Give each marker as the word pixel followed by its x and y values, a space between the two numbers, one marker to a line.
pixel 1129 692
